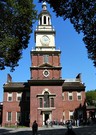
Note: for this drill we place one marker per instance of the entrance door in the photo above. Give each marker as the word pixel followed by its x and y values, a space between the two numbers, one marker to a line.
pixel 46 118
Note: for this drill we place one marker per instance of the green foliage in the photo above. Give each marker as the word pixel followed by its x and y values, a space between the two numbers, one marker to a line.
pixel 16 22
pixel 82 14
pixel 91 97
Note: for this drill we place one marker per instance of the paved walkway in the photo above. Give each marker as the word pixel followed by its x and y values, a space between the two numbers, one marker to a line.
pixel 55 130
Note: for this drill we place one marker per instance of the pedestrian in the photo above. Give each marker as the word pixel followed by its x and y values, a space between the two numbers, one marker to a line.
pixel 69 129
pixel 34 128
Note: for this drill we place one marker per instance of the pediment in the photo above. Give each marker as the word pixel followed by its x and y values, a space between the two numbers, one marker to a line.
pixel 45 65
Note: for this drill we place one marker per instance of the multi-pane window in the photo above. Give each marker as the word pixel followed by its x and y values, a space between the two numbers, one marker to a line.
pixel 70 96
pixel 41 102
pixel 9 116
pixel 19 96
pixel 79 96
pixel 46 99
pixel 45 58
pixel 10 96
pixel 52 102
pixel 71 115
pixel 18 116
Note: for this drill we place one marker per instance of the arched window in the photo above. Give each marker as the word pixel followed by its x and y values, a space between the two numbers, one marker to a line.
pixel 48 21
pixel 44 19
pixel 46 99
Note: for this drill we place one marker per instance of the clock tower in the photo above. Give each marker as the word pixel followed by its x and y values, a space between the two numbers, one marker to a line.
pixel 45 57
pixel 45 80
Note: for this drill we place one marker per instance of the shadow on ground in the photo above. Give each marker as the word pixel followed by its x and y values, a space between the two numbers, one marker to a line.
pixel 90 130
pixel 40 132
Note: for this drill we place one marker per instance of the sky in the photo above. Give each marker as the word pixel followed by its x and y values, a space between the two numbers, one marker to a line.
pixel 74 57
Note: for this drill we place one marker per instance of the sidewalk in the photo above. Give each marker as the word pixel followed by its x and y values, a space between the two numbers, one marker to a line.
pixel 4 130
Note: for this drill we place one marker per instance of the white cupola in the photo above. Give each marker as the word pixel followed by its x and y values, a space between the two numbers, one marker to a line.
pixel 44 16
pixel 44 33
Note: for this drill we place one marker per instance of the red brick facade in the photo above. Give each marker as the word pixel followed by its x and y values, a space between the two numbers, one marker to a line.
pixel 46 94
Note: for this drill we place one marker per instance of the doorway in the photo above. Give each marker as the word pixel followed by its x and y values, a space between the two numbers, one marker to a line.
pixel 46 118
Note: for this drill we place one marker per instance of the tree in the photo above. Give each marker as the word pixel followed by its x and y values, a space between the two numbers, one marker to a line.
pixel 82 14
pixel 16 22
pixel 91 97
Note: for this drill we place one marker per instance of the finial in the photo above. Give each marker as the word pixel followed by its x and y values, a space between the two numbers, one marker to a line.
pixel 44 6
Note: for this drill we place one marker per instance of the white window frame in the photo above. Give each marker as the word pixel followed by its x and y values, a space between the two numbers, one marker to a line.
pixel 7 116
pixel 70 94
pixel 9 94
pixel 79 94
pixel 16 115
pixel 71 113
pixel 18 94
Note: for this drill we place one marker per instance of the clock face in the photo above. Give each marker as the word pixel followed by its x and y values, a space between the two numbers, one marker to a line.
pixel 46 73
pixel 45 40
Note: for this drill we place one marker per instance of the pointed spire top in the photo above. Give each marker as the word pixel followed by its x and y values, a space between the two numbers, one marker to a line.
pixel 44 6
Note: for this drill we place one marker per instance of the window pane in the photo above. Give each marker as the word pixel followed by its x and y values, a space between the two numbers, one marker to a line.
pixel 41 105
pixel 9 116
pixel 70 97
pixel 19 96
pixel 79 97
pixel 18 116
pixel 9 98
pixel 46 99
pixel 52 102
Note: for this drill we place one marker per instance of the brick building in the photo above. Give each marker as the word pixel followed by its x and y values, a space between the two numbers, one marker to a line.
pixel 45 95
pixel 1 108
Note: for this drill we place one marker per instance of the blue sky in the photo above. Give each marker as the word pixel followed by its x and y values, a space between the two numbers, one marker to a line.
pixel 74 58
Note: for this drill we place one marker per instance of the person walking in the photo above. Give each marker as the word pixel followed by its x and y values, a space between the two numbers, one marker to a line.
pixel 69 129
pixel 34 128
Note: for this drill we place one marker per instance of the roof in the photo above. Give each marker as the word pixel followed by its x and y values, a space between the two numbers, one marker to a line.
pixel 73 85
pixel 15 85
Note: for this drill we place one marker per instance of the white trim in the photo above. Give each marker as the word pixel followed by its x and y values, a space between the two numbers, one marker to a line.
pixel 46 75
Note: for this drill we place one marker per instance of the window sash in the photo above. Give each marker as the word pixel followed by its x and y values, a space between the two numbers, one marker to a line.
pixel 52 102
pixel 9 116
pixel 41 102
pixel 18 116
